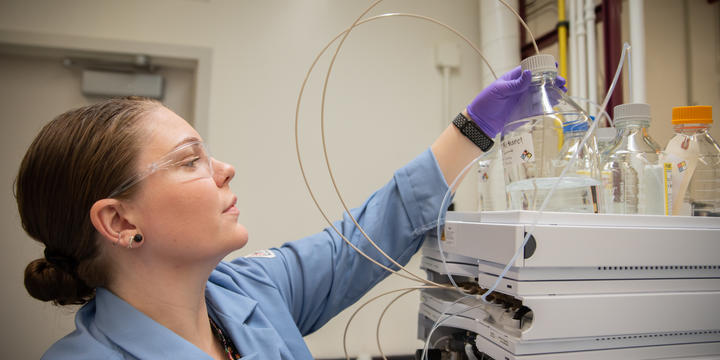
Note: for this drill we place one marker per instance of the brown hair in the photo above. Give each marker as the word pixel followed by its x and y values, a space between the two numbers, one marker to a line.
pixel 78 158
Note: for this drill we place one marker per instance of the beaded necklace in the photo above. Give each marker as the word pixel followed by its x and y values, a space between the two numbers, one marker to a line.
pixel 227 344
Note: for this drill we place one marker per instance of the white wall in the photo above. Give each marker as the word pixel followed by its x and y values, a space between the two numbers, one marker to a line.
pixel 666 61
pixel 383 107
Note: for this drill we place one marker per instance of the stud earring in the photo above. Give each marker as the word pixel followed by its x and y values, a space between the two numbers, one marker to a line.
pixel 137 238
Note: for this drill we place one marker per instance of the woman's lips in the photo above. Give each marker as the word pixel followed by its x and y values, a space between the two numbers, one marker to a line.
pixel 232 208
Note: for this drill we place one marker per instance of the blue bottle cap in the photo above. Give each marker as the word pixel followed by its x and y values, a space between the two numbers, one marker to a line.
pixel 575 127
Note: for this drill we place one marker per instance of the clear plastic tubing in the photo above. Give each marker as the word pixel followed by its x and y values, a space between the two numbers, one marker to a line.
pixel 575 201
pixel 605 136
pixel 531 229
pixel 532 142
pixel 631 173
pixel 694 158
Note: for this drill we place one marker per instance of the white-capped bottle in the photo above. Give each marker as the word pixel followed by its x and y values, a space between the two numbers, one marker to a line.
pixel 632 175
pixel 606 138
pixel 532 141
pixel 692 157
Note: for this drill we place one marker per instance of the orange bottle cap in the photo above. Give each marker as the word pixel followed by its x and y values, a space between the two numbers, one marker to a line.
pixel 692 115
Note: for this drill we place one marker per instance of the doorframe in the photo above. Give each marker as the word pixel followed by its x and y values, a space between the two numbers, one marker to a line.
pixel 201 56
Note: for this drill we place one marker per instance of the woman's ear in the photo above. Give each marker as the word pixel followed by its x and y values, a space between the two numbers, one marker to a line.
pixel 108 218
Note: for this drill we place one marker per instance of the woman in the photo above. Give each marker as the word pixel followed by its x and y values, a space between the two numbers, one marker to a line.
pixel 136 217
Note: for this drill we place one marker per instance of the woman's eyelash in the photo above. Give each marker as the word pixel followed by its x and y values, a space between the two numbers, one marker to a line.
pixel 191 162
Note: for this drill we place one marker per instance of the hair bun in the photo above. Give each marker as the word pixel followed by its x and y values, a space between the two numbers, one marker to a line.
pixel 65 263
pixel 47 281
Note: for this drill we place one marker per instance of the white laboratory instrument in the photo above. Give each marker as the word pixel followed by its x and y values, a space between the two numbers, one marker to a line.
pixel 588 286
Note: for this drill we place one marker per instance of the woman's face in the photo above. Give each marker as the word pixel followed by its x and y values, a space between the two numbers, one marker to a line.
pixel 183 220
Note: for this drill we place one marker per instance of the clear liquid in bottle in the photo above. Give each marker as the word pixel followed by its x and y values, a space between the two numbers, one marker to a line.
pixel 694 159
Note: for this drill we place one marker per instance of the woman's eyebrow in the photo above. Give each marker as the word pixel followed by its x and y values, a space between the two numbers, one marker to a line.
pixel 186 140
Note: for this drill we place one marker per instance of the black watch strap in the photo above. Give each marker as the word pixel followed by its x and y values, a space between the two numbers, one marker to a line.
pixel 473 132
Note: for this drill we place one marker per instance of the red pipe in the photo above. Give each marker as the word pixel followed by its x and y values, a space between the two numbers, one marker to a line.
pixel 521 12
pixel 613 49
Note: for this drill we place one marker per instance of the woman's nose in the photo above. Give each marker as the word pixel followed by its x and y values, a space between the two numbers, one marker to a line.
pixel 222 172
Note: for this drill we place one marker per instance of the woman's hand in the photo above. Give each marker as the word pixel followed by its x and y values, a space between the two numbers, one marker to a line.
pixel 491 108
pixel 490 111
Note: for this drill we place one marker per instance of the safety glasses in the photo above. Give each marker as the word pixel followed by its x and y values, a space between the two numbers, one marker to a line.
pixel 187 162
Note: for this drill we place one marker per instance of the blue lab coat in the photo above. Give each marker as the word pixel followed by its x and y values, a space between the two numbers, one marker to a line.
pixel 267 304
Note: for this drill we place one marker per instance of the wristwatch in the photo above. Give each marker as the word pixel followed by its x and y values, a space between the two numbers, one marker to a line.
pixel 473 132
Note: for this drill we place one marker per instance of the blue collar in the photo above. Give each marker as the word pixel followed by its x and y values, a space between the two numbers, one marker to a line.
pixel 259 341
pixel 137 334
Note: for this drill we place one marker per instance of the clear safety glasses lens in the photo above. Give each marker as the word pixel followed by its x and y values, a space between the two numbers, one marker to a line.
pixel 188 162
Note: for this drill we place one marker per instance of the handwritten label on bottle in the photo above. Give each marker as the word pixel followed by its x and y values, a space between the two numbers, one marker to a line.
pixel 517 150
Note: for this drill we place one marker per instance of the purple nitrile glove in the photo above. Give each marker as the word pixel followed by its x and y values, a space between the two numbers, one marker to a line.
pixel 560 83
pixel 491 108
